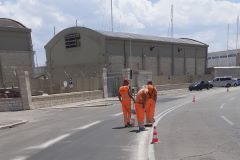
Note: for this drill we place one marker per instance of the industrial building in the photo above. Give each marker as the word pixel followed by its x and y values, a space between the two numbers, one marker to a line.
pixel 80 53
pixel 224 58
pixel 16 51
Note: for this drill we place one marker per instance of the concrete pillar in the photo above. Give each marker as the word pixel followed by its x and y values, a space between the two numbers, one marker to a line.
pixel 25 89
pixel 104 81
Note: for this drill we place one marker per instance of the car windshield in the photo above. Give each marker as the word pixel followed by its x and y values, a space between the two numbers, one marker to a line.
pixel 196 83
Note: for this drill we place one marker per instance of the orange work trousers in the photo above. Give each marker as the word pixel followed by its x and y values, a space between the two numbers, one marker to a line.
pixel 140 114
pixel 150 110
pixel 126 109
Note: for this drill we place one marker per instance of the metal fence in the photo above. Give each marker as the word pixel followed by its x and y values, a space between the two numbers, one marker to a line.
pixel 114 81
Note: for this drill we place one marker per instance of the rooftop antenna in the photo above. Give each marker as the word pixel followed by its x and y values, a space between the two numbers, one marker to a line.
pixel 227 37
pixel 237 32
pixel 112 15
pixel 54 30
pixel 172 20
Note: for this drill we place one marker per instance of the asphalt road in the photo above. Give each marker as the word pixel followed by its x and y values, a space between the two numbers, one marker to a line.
pixel 186 131
pixel 208 129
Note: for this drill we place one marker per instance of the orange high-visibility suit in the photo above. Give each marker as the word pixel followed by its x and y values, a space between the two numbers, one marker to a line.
pixel 139 106
pixel 151 103
pixel 126 104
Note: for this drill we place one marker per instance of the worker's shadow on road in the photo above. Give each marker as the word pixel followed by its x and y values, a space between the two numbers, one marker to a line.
pixel 122 127
pixel 137 131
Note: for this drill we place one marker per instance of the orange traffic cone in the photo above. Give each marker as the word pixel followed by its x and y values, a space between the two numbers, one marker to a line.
pixel 194 99
pixel 155 136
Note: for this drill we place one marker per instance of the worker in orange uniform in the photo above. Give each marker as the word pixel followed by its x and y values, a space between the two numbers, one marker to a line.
pixel 150 103
pixel 125 97
pixel 140 107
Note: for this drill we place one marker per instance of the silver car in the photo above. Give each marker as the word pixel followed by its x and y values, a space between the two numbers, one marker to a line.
pixel 224 82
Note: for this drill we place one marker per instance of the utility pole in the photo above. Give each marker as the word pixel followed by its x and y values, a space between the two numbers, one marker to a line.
pixel 227 37
pixel 112 15
pixel 54 30
pixel 237 32
pixel 172 20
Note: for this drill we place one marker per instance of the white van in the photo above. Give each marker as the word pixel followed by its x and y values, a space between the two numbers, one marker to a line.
pixel 224 82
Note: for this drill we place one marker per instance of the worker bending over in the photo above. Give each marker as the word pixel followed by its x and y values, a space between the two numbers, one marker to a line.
pixel 125 97
pixel 150 103
pixel 140 107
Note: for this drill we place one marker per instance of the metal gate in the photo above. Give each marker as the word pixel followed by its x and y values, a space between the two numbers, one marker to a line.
pixel 114 81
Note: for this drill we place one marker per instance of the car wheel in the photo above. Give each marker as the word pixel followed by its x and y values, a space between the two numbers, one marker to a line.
pixel 228 85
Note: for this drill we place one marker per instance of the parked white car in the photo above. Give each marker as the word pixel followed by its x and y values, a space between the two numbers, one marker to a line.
pixel 224 82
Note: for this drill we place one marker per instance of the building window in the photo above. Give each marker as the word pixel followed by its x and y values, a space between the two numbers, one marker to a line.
pixel 223 56
pixel 72 40
pixel 215 57
pixel 232 55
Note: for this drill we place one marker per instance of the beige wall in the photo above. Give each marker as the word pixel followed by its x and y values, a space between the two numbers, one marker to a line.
pixel 15 39
pixel 164 59
pixel 16 54
pixel 162 80
pixel 81 62
pixel 14 61
pixel 97 51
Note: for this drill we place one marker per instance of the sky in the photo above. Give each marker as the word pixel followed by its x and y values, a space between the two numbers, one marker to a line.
pixel 203 20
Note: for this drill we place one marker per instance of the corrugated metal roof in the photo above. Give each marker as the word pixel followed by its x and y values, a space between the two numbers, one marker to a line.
pixel 223 53
pixel 227 67
pixel 5 22
pixel 150 38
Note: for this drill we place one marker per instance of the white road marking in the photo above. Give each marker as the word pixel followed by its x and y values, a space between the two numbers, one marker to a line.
pixel 88 125
pixel 232 98
pixel 20 158
pixel 142 144
pixel 227 120
pixel 151 154
pixel 50 142
pixel 117 114
pixel 221 107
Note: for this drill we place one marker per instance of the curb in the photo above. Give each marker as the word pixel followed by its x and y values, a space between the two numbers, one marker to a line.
pixel 97 105
pixel 11 125
pixel 166 92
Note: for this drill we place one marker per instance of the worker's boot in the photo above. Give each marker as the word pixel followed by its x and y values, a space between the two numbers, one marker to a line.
pixel 141 128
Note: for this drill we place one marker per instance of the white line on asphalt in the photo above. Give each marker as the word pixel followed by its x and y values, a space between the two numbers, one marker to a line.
pixel 227 120
pixel 221 107
pixel 20 158
pixel 151 154
pixel 117 114
pixel 88 125
pixel 232 98
pixel 50 142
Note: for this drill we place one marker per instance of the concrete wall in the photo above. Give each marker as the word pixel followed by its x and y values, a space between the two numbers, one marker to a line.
pixel 162 80
pixel 15 39
pixel 10 63
pixel 16 53
pixel 116 53
pixel 10 104
pixel 65 98
pixel 91 50
pixel 83 62
pixel 163 59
